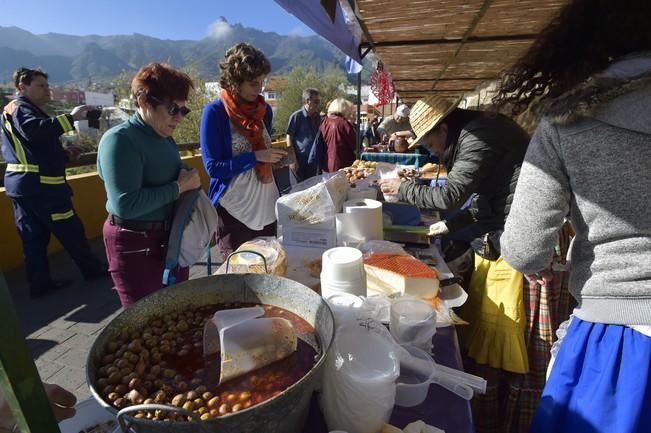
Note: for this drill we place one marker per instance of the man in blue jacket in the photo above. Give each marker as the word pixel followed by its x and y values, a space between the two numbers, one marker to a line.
pixel 35 181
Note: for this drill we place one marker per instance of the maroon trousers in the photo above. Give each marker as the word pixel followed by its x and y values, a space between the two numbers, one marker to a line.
pixel 136 261
pixel 231 233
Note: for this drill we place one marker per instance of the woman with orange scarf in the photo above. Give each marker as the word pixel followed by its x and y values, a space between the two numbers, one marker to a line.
pixel 236 150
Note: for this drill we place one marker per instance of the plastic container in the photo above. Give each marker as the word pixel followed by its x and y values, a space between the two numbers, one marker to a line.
pixel 412 385
pixel 346 308
pixel 359 379
pixel 413 322
pixel 90 414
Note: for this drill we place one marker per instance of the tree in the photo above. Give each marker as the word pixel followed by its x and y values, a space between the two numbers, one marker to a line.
pixel 330 83
pixel 121 85
pixel 188 129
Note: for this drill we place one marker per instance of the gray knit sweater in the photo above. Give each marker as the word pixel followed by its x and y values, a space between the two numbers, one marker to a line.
pixel 591 157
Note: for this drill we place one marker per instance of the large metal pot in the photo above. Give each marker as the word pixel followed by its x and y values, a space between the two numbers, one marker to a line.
pixel 287 412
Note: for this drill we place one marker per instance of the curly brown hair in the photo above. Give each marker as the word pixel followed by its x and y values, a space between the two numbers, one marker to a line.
pixel 582 40
pixel 162 81
pixel 242 62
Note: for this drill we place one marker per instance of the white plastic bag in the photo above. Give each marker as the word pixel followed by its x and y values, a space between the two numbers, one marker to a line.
pixel 359 386
pixel 307 214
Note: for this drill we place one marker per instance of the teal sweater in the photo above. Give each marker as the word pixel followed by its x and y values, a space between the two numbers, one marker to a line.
pixel 139 169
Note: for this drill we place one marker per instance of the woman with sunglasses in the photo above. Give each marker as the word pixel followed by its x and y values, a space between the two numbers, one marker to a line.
pixel 141 168
pixel 236 150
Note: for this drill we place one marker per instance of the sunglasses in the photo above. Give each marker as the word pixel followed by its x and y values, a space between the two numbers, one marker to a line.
pixel 172 108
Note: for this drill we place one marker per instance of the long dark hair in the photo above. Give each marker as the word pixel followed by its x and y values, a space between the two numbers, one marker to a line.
pixel 583 39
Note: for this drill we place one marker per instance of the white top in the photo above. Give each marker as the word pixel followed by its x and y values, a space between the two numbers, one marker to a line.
pixel 247 199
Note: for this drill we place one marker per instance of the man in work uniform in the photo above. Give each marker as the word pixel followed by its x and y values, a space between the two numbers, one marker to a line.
pixel 35 181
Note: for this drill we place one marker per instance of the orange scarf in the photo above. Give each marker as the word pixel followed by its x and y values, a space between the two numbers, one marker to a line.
pixel 247 118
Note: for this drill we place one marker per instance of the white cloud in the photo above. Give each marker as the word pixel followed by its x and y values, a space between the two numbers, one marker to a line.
pixel 297 31
pixel 219 29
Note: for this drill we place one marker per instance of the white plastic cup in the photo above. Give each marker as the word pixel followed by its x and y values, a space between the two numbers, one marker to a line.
pixel 342 271
pixel 412 321
pixel 342 264
pixel 412 386
pixel 354 287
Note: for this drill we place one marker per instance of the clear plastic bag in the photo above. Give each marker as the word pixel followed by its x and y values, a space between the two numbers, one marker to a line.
pixel 248 258
pixel 359 379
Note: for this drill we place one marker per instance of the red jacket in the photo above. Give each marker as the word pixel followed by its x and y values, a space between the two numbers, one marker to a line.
pixel 339 142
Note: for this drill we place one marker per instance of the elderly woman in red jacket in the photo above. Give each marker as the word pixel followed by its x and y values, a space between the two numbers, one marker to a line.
pixel 339 139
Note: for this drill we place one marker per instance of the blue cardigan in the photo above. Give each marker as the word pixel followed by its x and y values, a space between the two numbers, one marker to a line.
pixel 217 148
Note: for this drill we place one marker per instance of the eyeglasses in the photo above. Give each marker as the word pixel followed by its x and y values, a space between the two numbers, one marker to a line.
pixel 172 108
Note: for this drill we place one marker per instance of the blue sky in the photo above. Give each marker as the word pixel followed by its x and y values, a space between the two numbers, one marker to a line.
pixel 165 19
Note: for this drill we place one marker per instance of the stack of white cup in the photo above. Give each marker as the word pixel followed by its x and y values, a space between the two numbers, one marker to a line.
pixel 342 271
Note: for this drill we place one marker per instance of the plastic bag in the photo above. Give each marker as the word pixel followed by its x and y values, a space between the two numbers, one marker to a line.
pixel 307 214
pixel 389 174
pixel 359 379
pixel 377 246
pixel 243 262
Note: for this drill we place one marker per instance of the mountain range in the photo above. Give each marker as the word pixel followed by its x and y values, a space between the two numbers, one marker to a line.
pixel 74 58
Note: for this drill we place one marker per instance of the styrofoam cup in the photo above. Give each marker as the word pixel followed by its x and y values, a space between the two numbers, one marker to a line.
pixel 355 287
pixel 342 264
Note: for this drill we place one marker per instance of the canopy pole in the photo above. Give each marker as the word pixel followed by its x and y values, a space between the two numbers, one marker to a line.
pixel 19 379
pixel 359 113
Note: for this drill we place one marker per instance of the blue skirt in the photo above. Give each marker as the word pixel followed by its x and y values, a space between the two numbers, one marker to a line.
pixel 600 382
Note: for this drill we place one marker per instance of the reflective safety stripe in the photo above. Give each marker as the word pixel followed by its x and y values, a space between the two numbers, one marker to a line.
pixel 53 180
pixel 63 215
pixel 64 122
pixel 18 146
pixel 23 168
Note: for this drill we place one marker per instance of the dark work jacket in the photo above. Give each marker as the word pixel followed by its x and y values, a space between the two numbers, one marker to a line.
pixel 31 147
pixel 484 155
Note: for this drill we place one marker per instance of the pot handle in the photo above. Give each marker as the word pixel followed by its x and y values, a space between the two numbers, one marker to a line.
pixel 130 426
pixel 234 253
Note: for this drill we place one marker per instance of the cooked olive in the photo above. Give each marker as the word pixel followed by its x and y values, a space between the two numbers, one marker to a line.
pixel 206 395
pixel 245 395
pixel 213 403
pixel 178 400
pixel 113 396
pixel 121 389
pixel 237 407
pixel 188 405
pixel 169 373
pixel 135 383
pixel 135 396
pixel 191 395
pixel 115 378
pixel 223 409
pixel 201 389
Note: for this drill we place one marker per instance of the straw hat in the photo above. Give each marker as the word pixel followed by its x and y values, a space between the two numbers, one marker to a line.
pixel 426 114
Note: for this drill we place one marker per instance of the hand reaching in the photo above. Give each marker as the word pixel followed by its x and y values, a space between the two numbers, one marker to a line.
pixel 188 180
pixel 439 228
pixel 541 278
pixel 62 401
pixel 270 155
pixel 79 112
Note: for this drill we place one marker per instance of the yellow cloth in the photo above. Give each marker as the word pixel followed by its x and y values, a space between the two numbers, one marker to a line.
pixel 495 311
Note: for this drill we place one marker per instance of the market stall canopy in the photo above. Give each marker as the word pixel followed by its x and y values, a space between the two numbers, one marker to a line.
pixel 443 47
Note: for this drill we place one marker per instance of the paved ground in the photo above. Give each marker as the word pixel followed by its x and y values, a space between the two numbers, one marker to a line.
pixel 60 328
